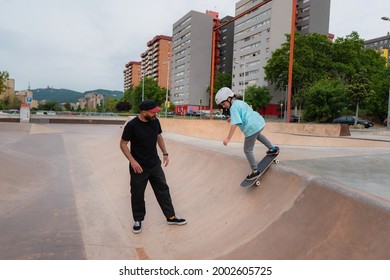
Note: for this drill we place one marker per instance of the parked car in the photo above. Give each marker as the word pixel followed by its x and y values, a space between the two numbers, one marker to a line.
pixel 221 116
pixel 294 118
pixel 46 113
pixel 171 113
pixel 350 120
pixel 13 111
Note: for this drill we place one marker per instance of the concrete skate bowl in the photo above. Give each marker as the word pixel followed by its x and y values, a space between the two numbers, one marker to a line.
pixel 290 216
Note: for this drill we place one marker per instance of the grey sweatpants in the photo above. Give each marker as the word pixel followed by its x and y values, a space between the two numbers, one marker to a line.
pixel 249 143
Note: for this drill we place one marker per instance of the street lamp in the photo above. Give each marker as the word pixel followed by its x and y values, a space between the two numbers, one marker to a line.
pixel 143 86
pixel 166 94
pixel 281 110
pixel 388 106
pixel 96 98
pixel 243 64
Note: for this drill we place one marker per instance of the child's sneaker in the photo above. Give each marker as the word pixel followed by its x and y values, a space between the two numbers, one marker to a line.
pixel 253 175
pixel 137 227
pixel 273 151
pixel 176 220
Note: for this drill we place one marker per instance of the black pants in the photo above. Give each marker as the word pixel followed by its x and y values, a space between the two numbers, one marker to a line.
pixel 138 182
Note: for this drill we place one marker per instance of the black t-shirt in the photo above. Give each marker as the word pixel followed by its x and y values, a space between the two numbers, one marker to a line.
pixel 143 141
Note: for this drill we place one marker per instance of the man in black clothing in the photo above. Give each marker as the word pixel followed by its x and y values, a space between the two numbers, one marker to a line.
pixel 144 134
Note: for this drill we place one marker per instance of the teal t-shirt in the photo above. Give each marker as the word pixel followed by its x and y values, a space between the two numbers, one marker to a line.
pixel 249 121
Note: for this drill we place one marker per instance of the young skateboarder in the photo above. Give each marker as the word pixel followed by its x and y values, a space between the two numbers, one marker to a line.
pixel 251 124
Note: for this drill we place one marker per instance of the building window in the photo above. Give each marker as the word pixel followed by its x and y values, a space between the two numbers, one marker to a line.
pixel 305 27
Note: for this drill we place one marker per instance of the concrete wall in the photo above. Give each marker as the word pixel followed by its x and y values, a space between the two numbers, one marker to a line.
pixel 324 135
pixel 216 129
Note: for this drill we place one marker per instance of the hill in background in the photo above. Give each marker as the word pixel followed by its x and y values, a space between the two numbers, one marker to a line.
pixel 70 96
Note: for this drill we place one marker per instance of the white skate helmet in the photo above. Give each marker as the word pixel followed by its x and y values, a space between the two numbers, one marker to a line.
pixel 223 94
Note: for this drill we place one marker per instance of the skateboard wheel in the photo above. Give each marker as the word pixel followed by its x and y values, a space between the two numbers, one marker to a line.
pixel 257 183
pixel 276 161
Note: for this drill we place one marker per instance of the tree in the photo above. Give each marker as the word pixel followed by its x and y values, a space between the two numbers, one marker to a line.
pixel 123 106
pixel 316 58
pixel 110 104
pixel 358 90
pixel 68 106
pixel 151 91
pixel 359 68
pixel 9 102
pixel 312 62
pixel 127 95
pixel 221 80
pixel 350 57
pixel 377 104
pixel 258 97
pixel 50 106
pixel 324 101
pixel 3 78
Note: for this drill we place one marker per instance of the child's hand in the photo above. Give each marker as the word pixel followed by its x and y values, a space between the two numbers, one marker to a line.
pixel 228 120
pixel 226 141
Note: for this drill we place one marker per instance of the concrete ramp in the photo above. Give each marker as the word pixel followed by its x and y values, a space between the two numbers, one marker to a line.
pixel 326 221
pixel 222 216
pixel 290 216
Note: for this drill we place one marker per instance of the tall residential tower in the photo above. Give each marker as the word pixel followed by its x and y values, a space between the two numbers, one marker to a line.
pixel 132 74
pixel 191 60
pixel 262 30
pixel 155 60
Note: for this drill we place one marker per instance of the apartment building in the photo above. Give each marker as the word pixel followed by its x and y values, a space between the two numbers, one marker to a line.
pixel 156 60
pixel 9 88
pixel 381 44
pixel 132 74
pixel 313 16
pixel 252 42
pixel 262 30
pixel 191 60
pixel 225 45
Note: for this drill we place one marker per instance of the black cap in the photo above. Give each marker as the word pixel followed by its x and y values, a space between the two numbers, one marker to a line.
pixel 149 105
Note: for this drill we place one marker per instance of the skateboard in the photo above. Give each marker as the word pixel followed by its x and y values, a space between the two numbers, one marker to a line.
pixel 262 166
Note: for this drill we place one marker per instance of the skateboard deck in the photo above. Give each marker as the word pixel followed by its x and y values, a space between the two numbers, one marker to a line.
pixel 262 166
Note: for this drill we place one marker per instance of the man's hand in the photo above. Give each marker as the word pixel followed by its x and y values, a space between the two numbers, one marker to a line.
pixel 136 166
pixel 165 160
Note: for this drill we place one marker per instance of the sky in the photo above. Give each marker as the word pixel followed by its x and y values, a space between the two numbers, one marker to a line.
pixel 84 45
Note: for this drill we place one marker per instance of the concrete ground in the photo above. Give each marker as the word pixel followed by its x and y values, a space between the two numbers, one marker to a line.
pixel 65 195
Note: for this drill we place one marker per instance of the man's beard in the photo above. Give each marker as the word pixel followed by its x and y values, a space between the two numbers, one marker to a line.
pixel 150 118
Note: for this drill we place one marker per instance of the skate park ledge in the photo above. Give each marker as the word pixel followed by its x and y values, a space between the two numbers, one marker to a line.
pixel 298 134
pixel 218 129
